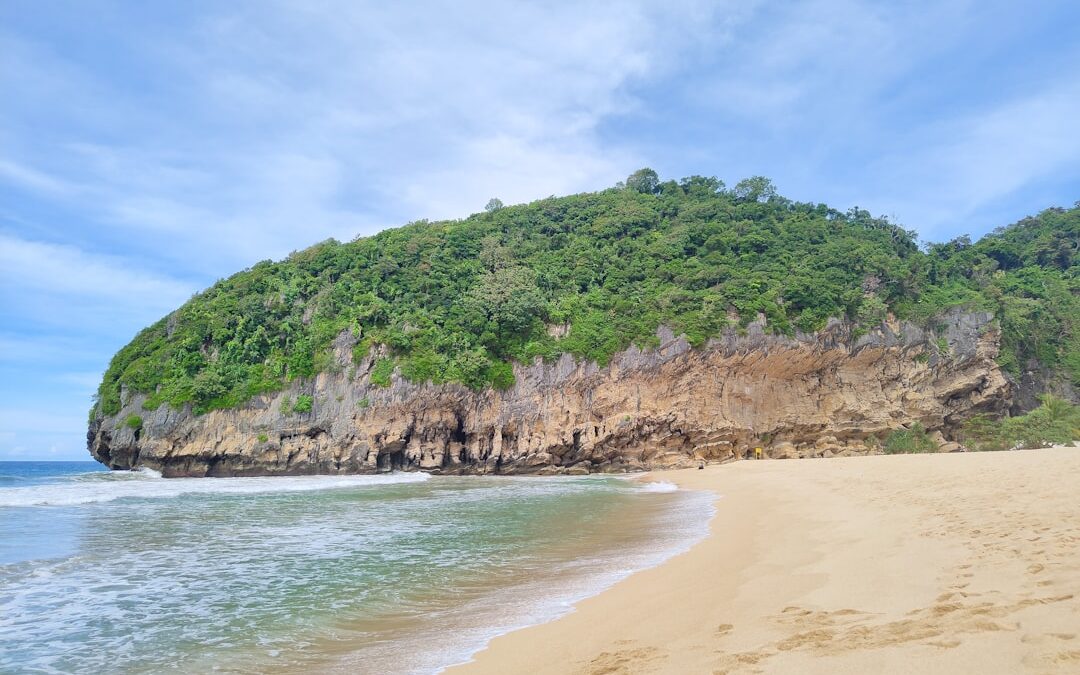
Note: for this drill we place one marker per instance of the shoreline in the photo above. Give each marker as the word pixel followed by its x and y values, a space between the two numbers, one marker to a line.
pixel 966 562
pixel 595 583
pixel 397 576
pixel 659 523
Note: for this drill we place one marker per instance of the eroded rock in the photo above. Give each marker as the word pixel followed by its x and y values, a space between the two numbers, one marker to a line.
pixel 810 395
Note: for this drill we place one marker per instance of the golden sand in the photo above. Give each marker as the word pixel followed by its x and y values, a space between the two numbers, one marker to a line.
pixel 954 563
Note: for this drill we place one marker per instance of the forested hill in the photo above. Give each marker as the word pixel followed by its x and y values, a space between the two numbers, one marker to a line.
pixel 458 301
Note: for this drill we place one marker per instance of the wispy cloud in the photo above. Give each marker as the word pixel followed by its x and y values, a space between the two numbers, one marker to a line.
pixel 31 434
pixel 163 154
pixel 34 180
pixel 35 269
pixel 935 112
pixel 977 160
pixel 23 420
pixel 34 351
pixel 177 144
pixel 337 118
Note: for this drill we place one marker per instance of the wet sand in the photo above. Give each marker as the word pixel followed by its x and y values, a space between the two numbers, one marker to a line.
pixel 951 563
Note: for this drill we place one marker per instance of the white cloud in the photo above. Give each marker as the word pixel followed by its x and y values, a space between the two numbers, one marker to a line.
pixel 911 109
pixel 26 350
pixel 67 441
pixel 946 172
pixel 72 273
pixel 15 421
pixel 57 302
pixel 321 119
pixel 264 127
pixel 1020 141
pixel 32 179
pixel 83 381
pixel 800 60
pixel 260 127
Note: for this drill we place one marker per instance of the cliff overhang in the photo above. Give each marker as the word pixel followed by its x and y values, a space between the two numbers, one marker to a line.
pixel 811 395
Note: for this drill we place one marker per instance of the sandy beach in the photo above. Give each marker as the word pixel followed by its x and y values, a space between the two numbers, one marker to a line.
pixel 951 563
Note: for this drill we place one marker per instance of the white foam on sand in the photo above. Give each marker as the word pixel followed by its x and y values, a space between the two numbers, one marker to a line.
pixel 659 486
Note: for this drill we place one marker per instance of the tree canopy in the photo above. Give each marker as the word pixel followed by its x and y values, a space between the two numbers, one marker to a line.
pixel 458 301
pixel 645 181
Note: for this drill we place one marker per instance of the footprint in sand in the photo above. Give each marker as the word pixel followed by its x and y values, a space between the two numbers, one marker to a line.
pixel 945 597
pixel 944 644
pixel 740 662
pixel 623 661
pixel 1068 657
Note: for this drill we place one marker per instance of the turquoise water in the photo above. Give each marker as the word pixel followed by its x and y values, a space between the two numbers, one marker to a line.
pixel 131 573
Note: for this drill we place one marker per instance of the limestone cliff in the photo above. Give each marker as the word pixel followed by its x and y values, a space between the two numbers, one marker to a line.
pixel 811 395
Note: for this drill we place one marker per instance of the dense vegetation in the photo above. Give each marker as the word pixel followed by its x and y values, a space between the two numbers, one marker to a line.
pixel 909 441
pixel 1054 421
pixel 458 301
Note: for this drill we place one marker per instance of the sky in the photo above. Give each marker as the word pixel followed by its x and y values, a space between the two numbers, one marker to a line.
pixel 149 149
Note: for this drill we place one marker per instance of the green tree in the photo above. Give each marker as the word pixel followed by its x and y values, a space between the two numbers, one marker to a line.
pixel 871 310
pixel 208 385
pixel 645 181
pixel 460 301
pixel 755 189
pixel 504 302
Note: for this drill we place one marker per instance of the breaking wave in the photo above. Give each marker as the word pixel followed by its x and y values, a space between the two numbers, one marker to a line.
pixel 97 487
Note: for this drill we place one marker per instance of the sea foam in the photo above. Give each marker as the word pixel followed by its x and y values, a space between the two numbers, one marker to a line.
pixel 93 488
pixel 659 486
pixel 257 582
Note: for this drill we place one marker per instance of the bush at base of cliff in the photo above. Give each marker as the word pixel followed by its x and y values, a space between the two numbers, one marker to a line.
pixel 1054 421
pixel 909 441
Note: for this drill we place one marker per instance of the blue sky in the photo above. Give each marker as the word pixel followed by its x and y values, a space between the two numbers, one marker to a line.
pixel 148 149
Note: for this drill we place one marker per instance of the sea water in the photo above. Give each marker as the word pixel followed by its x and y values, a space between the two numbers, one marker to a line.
pixel 128 572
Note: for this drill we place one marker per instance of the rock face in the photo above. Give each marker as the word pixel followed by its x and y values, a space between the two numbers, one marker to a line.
pixel 809 396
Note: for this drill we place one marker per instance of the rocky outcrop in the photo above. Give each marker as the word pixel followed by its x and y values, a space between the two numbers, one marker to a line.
pixel 814 395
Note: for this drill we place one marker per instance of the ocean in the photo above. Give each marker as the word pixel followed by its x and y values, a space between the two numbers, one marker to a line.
pixel 128 572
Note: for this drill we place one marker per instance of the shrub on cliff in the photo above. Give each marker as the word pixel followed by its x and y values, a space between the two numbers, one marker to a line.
pixel 458 301
pixel 303 404
pixel 381 372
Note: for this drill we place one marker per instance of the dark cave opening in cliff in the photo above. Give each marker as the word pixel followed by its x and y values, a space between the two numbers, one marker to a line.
pixel 458 434
pixel 391 461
